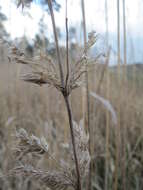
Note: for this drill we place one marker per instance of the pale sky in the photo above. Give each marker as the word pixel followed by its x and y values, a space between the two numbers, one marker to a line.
pixel 20 23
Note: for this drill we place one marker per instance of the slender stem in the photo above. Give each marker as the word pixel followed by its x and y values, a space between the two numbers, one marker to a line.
pixel 56 41
pixel 124 34
pixel 68 105
pixel 84 22
pixel 124 89
pixel 73 141
pixel 89 130
pixel 69 108
pixel 119 86
pixel 107 150
pixel 108 96
pixel 67 47
pixel 64 92
pixel 87 94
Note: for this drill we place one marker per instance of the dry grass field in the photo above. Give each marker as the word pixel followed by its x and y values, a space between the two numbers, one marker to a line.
pixel 78 125
pixel 41 111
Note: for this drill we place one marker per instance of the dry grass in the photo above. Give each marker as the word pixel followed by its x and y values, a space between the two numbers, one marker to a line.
pixel 33 108
pixel 31 111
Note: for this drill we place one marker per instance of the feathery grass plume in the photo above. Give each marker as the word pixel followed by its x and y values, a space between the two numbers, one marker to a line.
pixel 66 175
pixel 29 144
pixel 43 70
pixel 92 38
pixel 81 140
pixel 84 62
pixel 52 179
pixel 38 146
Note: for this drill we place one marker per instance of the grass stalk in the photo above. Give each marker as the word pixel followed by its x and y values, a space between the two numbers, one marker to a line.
pixel 107 126
pixel 107 97
pixel 119 109
pixel 87 96
pixel 66 98
pixel 65 90
pixel 67 47
pixel 56 41
pixel 124 86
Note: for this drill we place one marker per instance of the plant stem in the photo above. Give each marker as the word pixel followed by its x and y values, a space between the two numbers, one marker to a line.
pixel 67 47
pixel 56 41
pixel 107 153
pixel 66 98
pixel 65 90
pixel 87 96
pixel 124 142
pixel 119 107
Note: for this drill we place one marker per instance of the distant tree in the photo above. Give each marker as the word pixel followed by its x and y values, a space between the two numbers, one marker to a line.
pixel 25 44
pixel 56 5
pixel 73 42
pixel 59 32
pixel 29 48
pixel 41 39
pixel 44 3
pixel 3 33
pixel 51 46
pixel 48 46
pixel 72 33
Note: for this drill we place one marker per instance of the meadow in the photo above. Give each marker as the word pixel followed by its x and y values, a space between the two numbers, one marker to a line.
pixel 41 111
pixel 78 125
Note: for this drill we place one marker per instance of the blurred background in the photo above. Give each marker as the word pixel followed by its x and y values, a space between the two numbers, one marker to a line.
pixel 116 151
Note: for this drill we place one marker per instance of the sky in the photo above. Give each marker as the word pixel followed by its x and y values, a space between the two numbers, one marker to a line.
pixel 26 23
pixel 19 23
